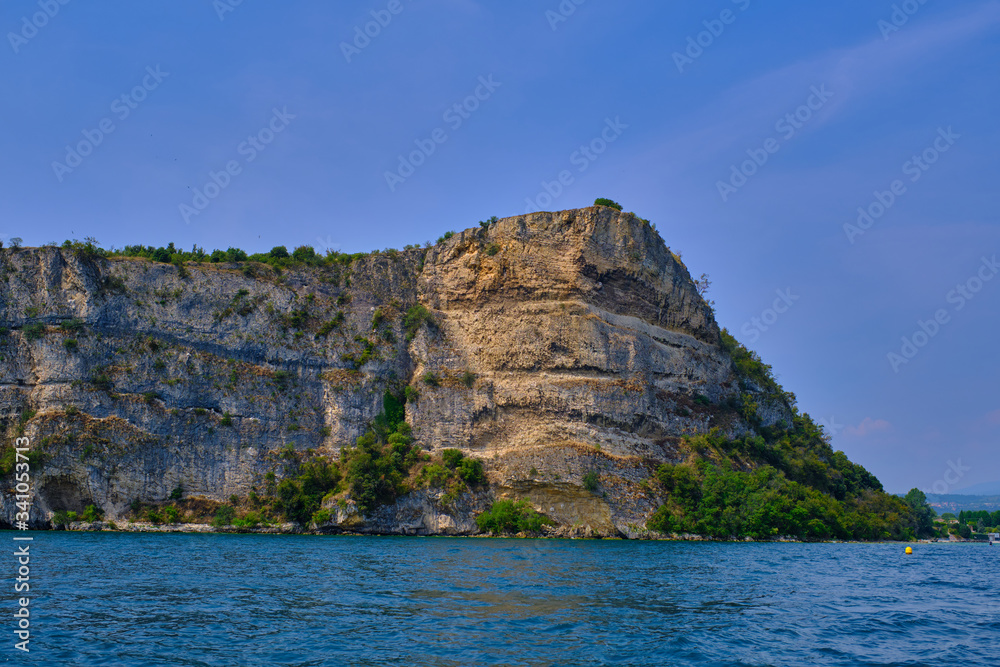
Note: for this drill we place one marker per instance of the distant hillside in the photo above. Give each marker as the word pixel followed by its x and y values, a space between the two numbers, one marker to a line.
pixel 984 489
pixel 955 503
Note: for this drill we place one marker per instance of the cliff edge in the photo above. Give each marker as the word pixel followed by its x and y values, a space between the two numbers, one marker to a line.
pixel 569 353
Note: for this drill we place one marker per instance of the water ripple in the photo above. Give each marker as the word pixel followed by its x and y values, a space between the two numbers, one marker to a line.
pixel 208 600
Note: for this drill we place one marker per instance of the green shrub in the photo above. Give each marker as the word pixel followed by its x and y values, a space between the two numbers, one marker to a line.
pixel 153 516
pixel 508 516
pixel 432 379
pixel 321 516
pixel 377 318
pixel 452 457
pixel 471 471
pixel 92 513
pixel 72 325
pixel 469 379
pixel 591 481
pixel 101 380
pixel 329 326
pixel 200 412
pixel 434 475
pixel 297 319
pixel 415 318
pixel 492 249
pixel 224 516
pixel 411 393
pixel 249 520
pixel 601 201
pixel 300 498
pixel 113 285
pixel 62 517
pixel 34 330
pixel 227 419
pixel 72 411
pixel 177 493
pixel 159 365
pixel 171 513
pixel 283 378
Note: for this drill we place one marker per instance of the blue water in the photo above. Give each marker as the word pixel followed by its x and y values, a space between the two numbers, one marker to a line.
pixel 130 599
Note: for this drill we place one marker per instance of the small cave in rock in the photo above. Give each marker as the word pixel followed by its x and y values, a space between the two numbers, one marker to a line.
pixel 62 493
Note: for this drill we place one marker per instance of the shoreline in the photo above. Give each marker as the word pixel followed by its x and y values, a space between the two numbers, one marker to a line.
pixel 295 529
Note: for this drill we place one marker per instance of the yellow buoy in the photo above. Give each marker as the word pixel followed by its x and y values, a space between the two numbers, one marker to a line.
pixel 909 550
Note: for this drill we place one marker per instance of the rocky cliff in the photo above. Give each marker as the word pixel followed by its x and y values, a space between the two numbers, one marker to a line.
pixel 556 346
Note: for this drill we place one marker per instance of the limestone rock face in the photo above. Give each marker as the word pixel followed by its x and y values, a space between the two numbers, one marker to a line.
pixel 561 344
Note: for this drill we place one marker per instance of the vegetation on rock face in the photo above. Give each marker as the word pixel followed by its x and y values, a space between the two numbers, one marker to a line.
pixel 785 481
pixel 455 474
pixel 416 317
pixel 372 473
pixel 721 502
pixel 509 516
pixel 753 372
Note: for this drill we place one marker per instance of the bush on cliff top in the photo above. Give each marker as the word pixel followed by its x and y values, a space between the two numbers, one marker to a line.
pixel 602 201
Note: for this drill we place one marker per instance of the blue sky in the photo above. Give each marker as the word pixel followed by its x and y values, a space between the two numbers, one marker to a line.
pixel 183 86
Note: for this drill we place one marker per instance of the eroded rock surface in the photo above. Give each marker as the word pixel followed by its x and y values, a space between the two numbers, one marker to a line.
pixel 584 338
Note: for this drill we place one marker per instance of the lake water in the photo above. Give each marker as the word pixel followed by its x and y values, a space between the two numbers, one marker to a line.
pixel 133 599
